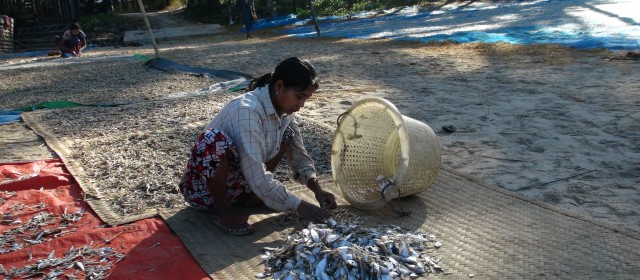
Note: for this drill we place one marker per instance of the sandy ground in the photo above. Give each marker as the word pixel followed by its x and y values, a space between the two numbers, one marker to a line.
pixel 552 123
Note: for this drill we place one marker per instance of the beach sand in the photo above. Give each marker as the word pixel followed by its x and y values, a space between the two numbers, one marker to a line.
pixel 556 124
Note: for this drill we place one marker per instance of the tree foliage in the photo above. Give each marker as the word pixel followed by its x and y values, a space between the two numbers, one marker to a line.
pixel 207 10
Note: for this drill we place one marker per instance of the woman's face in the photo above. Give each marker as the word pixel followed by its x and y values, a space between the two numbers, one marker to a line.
pixel 75 32
pixel 289 100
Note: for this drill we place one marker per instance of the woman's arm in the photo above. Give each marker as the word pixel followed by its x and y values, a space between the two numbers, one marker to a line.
pixel 248 126
pixel 299 160
pixel 304 169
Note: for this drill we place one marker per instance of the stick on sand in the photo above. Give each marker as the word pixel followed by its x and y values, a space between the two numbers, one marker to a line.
pixel 544 184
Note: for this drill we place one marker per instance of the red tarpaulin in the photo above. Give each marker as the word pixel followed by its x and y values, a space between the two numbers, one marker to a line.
pixel 48 228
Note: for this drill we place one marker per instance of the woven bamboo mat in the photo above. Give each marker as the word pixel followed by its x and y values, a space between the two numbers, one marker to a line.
pixel 127 147
pixel 487 233
pixel 18 143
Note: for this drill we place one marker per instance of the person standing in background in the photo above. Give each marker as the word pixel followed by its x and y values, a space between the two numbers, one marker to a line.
pixel 249 16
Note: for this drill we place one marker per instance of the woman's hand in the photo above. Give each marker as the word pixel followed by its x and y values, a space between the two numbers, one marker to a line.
pixel 326 200
pixel 311 212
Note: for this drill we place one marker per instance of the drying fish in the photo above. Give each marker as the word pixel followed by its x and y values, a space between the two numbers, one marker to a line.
pixel 93 263
pixel 118 161
pixel 71 217
pixel 41 227
pixel 287 218
pixel 341 250
pixel 4 195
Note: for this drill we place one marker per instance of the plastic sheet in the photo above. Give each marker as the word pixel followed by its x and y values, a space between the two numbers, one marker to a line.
pixel 151 250
pixel 168 65
pixel 579 24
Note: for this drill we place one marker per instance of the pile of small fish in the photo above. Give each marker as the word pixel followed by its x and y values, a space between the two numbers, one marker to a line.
pixel 288 218
pixel 88 262
pixel 337 250
pixel 93 262
pixel 33 231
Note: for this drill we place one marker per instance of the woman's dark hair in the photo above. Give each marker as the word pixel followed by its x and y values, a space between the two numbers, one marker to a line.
pixel 294 72
pixel 74 26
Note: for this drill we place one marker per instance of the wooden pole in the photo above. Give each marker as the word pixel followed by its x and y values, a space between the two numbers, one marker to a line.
pixel 146 21
pixel 313 17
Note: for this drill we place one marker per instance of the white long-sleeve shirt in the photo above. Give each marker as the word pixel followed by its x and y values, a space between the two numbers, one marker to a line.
pixel 256 130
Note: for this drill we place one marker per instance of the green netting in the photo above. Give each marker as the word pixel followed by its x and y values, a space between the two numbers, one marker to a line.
pixel 51 105
pixel 142 57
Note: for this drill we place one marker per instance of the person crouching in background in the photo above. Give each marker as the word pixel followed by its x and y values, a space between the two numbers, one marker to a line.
pixel 72 41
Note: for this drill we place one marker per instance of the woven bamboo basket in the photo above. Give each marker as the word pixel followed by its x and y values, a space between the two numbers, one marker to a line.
pixel 378 154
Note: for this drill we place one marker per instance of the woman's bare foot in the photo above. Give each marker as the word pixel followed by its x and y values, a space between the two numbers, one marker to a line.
pixel 233 224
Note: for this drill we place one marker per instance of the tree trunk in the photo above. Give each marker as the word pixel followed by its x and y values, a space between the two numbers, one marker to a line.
pixel 105 7
pixel 230 2
pixel 201 8
pixel 313 17
pixel 76 10
pixel 91 6
pixel 272 8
